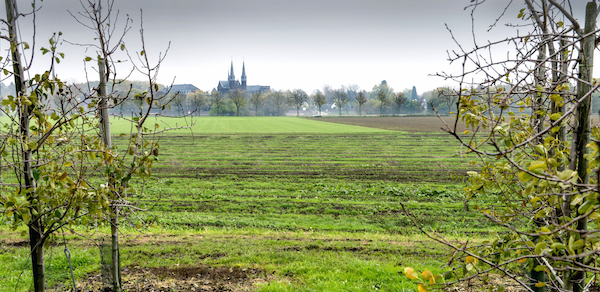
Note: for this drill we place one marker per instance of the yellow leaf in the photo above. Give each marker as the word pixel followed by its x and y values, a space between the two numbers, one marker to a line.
pixel 522 260
pixel 540 284
pixel 471 260
pixel 410 273
pixel 537 166
pixel 422 288
pixel 525 177
pixel 427 275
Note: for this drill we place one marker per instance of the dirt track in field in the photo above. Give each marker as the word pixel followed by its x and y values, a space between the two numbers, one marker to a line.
pixel 401 123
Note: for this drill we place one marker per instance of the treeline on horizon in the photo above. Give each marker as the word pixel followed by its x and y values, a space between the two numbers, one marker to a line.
pixel 380 100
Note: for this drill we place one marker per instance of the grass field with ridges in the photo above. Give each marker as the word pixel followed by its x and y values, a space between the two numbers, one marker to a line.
pixel 312 206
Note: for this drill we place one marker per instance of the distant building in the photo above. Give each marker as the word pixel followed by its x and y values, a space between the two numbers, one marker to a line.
pixel 224 87
pixel 182 88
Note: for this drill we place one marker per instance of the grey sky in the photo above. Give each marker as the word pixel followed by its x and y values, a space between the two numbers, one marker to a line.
pixel 286 44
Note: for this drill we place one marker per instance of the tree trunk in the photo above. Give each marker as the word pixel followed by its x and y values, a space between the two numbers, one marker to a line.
pixel 582 129
pixel 36 227
pixel 106 139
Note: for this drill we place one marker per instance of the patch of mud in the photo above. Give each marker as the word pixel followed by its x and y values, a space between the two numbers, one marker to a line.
pixel 197 278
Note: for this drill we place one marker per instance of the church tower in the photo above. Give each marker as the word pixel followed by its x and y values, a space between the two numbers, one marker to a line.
pixel 231 78
pixel 244 84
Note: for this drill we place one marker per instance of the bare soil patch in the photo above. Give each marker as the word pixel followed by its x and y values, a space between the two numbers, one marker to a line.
pixel 198 278
pixel 400 123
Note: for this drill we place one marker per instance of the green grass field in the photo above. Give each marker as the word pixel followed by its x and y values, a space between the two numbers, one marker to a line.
pixel 279 204
pixel 243 125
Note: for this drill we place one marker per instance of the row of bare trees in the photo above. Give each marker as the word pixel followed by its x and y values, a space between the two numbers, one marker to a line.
pixel 381 100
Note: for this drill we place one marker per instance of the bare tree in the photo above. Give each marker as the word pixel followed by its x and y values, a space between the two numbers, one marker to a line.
pixel 257 99
pixel 218 101
pixel 199 100
pixel 444 96
pixel 239 100
pixel 340 99
pixel 179 100
pixel 361 98
pixel 399 100
pixel 279 100
pixel 297 98
pixel 319 100
pixel 382 96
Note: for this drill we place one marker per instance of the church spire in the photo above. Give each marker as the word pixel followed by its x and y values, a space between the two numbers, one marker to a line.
pixel 231 76
pixel 244 84
pixel 243 71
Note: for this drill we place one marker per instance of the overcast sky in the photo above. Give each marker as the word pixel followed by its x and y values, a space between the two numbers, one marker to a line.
pixel 286 44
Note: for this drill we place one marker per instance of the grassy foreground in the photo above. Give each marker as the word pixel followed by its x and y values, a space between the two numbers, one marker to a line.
pixel 280 204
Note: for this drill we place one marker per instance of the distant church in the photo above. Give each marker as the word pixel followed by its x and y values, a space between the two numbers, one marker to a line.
pixel 231 84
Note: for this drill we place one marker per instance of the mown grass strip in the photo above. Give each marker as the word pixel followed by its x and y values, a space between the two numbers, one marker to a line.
pixel 242 125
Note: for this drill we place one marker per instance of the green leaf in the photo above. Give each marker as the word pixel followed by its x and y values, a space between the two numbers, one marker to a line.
pixel 36 173
pixel 558 246
pixel 585 207
pixel 87 59
pixel 539 247
pixel 541 149
pixel 555 116
pixel 578 244
pixel 32 145
pixel 122 47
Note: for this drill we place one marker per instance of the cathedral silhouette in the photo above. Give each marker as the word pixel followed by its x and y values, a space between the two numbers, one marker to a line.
pixel 230 85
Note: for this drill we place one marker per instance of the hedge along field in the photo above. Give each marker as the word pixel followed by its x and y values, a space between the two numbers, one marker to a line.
pixel 306 205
